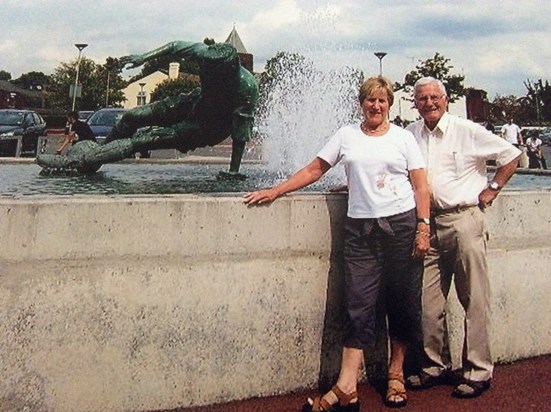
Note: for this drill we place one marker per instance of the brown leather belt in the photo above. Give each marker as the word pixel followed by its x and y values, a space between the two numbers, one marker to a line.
pixel 455 209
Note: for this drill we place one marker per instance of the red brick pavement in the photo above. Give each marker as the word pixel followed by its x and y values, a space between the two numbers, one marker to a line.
pixel 522 386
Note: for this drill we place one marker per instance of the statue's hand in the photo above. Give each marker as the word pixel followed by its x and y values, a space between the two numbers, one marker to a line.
pixel 133 61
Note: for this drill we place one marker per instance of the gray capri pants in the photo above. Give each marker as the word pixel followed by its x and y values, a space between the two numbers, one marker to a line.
pixel 378 264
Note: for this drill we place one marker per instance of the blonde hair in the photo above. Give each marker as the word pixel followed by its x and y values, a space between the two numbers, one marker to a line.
pixel 376 83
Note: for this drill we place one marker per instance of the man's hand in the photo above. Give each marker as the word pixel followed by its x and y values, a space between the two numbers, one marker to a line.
pixel 486 197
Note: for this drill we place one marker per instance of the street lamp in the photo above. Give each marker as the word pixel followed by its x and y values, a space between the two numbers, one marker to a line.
pixel 80 47
pixel 380 56
pixel 141 97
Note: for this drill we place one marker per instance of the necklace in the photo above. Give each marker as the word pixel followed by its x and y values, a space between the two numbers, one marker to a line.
pixel 378 129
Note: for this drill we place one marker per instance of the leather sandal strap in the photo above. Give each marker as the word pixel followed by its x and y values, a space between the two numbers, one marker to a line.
pixel 325 406
pixel 396 377
pixel 344 398
pixel 320 405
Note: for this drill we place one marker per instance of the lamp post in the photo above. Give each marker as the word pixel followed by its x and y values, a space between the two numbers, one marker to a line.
pixel 80 47
pixel 107 91
pixel 380 56
pixel 141 99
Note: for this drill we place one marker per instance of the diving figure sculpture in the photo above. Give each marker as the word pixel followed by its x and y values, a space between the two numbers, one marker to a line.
pixel 223 106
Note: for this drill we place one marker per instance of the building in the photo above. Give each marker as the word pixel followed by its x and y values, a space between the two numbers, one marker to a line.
pixel 245 58
pixel 14 97
pixel 138 93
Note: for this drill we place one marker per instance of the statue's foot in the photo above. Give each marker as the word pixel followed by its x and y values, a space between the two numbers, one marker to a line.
pixel 231 176
pixel 51 161
pixel 72 163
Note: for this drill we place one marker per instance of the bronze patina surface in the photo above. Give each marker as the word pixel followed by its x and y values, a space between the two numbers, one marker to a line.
pixel 223 106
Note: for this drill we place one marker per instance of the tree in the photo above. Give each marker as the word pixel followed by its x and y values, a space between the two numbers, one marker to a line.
pixel 4 75
pixel 92 77
pixel 438 67
pixel 537 102
pixel 111 70
pixel 173 87
pixel 504 107
pixel 32 81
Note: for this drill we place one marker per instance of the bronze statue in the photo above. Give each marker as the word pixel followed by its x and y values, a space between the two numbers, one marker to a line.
pixel 223 106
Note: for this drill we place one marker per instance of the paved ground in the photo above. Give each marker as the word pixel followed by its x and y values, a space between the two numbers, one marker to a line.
pixel 523 386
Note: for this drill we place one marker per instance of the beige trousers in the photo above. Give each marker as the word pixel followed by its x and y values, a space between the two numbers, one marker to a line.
pixel 458 253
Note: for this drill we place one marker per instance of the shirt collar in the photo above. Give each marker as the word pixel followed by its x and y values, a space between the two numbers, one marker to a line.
pixel 441 127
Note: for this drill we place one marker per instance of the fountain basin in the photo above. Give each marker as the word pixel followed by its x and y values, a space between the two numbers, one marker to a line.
pixel 158 301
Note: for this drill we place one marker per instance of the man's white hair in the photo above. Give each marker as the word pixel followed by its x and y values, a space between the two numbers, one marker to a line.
pixel 423 81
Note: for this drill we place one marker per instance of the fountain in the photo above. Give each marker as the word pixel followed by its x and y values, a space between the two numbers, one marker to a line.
pixel 148 293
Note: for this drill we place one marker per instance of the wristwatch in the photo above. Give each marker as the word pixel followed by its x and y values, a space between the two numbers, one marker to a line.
pixel 494 185
pixel 425 220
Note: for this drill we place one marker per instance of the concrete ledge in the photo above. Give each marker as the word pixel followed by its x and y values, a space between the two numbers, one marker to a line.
pixel 145 303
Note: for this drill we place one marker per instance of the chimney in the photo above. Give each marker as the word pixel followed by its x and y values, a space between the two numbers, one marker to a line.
pixel 173 70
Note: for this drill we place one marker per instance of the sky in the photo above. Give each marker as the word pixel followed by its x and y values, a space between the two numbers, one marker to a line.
pixel 496 45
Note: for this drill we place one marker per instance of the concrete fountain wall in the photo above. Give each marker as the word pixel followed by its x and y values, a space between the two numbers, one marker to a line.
pixel 148 303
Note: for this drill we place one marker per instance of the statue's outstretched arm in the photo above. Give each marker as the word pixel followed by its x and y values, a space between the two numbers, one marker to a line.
pixel 177 48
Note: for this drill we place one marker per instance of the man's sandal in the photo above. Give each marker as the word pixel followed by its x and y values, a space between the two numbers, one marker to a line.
pixel 396 396
pixel 470 389
pixel 344 403
pixel 425 381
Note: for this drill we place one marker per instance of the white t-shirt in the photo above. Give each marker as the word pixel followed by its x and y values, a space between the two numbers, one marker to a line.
pixel 511 132
pixel 533 144
pixel 376 169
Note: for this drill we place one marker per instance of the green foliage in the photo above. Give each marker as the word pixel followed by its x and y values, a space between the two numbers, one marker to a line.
pixel 4 75
pixel 504 107
pixel 537 101
pixel 438 67
pixel 93 78
pixel 31 80
pixel 534 109
pixel 173 87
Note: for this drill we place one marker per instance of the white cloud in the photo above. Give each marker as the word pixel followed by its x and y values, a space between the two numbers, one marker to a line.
pixel 497 44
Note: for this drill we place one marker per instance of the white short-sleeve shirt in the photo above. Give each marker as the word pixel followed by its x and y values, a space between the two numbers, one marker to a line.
pixel 456 152
pixel 377 169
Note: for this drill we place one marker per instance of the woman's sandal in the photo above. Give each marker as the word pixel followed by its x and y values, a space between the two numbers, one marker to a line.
pixel 343 404
pixel 396 389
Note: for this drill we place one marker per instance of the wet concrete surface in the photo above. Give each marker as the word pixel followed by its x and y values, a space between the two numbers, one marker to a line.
pixel 523 386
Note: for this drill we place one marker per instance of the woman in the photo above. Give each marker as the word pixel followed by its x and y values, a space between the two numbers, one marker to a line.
pixel 386 236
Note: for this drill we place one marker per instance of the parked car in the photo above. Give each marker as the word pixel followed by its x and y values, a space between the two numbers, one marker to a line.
pixel 25 126
pixel 545 136
pixel 84 114
pixel 102 121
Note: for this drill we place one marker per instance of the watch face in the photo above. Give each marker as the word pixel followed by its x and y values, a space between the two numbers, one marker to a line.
pixel 494 186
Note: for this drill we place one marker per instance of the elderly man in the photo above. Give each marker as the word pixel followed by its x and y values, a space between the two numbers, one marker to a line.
pixel 456 151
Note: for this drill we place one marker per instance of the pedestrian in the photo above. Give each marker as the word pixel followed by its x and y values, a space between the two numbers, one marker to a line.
pixel 536 160
pixel 456 151
pixel 386 236
pixel 511 132
pixel 79 131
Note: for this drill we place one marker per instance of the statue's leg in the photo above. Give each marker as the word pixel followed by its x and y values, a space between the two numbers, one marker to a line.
pixel 87 157
pixel 164 113
pixel 123 148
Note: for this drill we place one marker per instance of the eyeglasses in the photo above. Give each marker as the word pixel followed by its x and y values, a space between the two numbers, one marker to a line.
pixel 426 99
